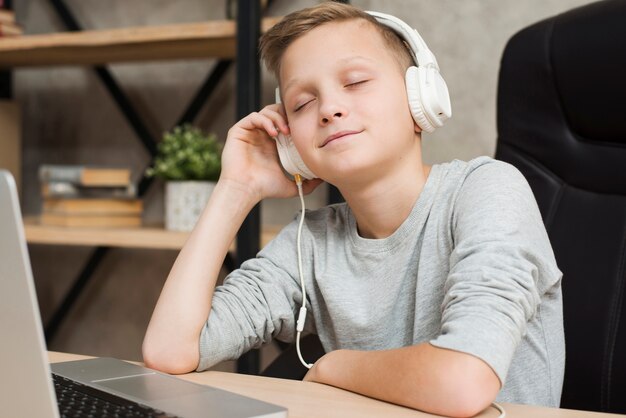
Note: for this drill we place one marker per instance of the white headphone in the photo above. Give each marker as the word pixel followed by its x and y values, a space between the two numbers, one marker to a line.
pixel 428 95
pixel 289 156
pixel 429 100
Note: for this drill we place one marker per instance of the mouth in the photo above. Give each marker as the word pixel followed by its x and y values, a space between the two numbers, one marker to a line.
pixel 340 134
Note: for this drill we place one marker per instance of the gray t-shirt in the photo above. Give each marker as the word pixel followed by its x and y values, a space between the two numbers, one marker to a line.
pixel 471 269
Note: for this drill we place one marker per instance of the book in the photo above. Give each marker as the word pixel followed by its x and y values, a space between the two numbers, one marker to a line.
pixel 84 175
pixel 10 139
pixel 10 30
pixel 93 206
pixel 98 221
pixel 7 16
pixel 66 190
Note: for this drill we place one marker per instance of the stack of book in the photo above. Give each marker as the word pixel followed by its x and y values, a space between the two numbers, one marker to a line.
pixel 8 26
pixel 79 196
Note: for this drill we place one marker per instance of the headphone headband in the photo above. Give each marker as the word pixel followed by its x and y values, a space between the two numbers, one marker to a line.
pixel 422 56
pixel 427 93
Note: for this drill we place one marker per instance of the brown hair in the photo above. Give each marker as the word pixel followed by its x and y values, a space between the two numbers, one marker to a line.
pixel 275 41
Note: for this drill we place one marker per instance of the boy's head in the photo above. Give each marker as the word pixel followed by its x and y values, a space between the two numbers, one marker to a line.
pixel 274 43
pixel 342 83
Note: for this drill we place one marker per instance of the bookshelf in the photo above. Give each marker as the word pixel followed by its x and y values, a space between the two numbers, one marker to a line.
pixel 210 39
pixel 202 40
pixel 149 236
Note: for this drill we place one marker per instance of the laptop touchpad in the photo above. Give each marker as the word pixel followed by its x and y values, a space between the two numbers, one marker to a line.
pixel 151 387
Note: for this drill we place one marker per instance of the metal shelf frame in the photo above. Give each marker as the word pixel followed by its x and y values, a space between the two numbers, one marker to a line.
pixel 248 240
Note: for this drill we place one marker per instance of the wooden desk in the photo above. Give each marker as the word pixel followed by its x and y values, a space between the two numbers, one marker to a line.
pixel 313 400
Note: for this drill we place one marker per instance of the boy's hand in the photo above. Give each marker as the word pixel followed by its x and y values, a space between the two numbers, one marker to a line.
pixel 250 158
pixel 315 373
pixel 311 375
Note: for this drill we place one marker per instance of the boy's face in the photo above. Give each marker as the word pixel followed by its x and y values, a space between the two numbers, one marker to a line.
pixel 346 102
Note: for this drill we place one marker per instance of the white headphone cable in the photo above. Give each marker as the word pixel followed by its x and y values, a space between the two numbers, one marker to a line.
pixel 302 314
pixel 500 409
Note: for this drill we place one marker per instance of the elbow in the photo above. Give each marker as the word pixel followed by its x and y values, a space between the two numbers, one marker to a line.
pixel 473 394
pixel 458 402
pixel 170 358
pixel 463 388
pixel 456 399
pixel 468 405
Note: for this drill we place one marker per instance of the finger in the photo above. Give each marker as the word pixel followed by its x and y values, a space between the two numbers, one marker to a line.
pixel 258 121
pixel 279 119
pixel 282 110
pixel 283 113
pixel 278 107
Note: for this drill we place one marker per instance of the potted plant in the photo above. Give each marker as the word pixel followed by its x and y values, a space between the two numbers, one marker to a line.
pixel 190 162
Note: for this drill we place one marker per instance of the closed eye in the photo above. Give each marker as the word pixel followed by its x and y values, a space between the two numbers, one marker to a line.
pixel 302 105
pixel 357 83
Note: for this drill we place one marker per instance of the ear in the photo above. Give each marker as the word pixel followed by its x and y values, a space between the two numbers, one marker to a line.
pixel 416 128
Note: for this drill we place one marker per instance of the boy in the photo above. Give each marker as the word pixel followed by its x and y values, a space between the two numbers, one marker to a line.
pixel 432 287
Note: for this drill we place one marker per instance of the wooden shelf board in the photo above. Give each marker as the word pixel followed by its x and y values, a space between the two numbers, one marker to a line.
pixel 211 39
pixel 153 237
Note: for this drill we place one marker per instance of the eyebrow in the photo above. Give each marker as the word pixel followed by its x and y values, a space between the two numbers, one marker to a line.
pixel 342 61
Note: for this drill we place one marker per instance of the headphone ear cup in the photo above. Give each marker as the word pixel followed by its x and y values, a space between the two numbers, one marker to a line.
pixel 416 102
pixel 290 159
pixel 429 99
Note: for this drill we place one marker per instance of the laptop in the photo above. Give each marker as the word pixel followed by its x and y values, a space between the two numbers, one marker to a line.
pixel 27 388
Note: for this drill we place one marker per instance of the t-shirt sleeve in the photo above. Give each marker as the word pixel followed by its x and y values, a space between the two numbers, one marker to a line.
pixel 501 265
pixel 256 303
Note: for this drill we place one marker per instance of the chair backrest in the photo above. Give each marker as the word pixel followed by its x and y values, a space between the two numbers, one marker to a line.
pixel 562 122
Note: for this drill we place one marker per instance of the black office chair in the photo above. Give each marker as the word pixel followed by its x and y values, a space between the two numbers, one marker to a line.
pixel 562 122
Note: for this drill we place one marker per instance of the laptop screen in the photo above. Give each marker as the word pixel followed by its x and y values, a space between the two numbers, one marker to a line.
pixel 25 379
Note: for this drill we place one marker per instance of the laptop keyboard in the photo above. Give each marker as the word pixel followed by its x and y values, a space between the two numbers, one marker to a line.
pixel 77 400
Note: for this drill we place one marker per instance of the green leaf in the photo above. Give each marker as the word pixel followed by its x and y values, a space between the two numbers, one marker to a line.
pixel 187 153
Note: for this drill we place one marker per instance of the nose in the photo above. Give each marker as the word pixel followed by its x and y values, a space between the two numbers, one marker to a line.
pixel 326 119
pixel 331 108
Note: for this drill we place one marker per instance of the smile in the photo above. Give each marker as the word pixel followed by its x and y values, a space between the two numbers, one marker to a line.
pixel 338 135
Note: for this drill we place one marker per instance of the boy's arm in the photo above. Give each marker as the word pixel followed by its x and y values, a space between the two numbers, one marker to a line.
pixel 171 340
pixel 422 376
pixel 250 172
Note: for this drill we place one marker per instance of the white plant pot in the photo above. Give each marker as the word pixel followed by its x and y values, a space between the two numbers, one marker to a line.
pixel 184 203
